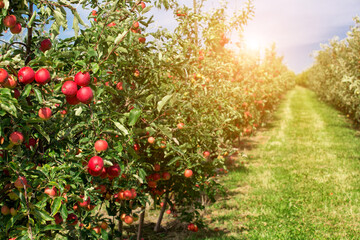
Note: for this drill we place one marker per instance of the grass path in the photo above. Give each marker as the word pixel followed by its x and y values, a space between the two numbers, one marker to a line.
pixel 302 183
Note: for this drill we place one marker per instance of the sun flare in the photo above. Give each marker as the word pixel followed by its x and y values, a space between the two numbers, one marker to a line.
pixel 252 43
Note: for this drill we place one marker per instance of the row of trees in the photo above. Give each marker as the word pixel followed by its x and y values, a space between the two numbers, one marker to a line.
pixel 95 127
pixel 336 73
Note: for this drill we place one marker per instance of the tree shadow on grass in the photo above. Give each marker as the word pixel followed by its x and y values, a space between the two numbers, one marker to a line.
pixel 174 230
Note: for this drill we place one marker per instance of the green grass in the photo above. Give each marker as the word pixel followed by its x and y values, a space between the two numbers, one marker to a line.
pixel 303 182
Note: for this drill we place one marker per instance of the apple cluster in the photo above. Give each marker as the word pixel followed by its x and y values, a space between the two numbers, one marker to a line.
pixel 73 94
pixel 11 22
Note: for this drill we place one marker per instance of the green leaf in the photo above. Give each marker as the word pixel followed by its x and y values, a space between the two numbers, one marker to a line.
pixel 120 37
pixel 53 227
pixel 104 235
pixel 5 91
pixel 76 26
pixel 121 128
pixel 42 132
pixel 12 220
pixel 9 107
pixel 163 101
pixel 78 111
pixel 31 19
pixel 43 215
pixel 134 116
pixel 38 95
pixel 63 211
pixel 56 206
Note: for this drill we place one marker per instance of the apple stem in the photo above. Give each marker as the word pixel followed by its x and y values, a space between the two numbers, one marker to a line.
pixel 141 223
pixel 162 211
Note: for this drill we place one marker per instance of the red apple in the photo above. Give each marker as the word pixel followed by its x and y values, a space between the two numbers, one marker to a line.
pixel 152 184
pixel 142 4
pixel 82 79
pixel 9 21
pixel 206 154
pixel 31 143
pixel 151 140
pixel 135 25
pixel 16 29
pixel 5 210
pixel 166 176
pixel 188 173
pixel 2 4
pixel 133 192
pixel 85 95
pixel 72 219
pixel 52 192
pixel 101 188
pixel 26 75
pixel 112 24
pixel 42 76
pixel 127 195
pixel 16 138
pixel 142 40
pixel 119 86
pixel 103 173
pixel 104 225
pixel 20 182
pixel 16 93
pixel 156 176
pixel 3 76
pixel 94 12
pixel 69 88
pixel 114 170
pixel 129 220
pixel 45 45
pixel 45 113
pixel 58 218
pixel 84 203
pixel 157 167
pixel 190 227
pixel 72 100
pixel 10 83
pixel 137 73
pixel 101 145
pixel 180 125
pixel 96 164
pixel 97 229
pixel 136 147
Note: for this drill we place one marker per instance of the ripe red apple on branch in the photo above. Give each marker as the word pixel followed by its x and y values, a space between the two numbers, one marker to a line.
pixel 101 145
pixel 3 76
pixel 9 21
pixel 26 75
pixel 42 76
pixel 69 88
pixel 16 29
pixel 45 113
pixel 95 166
pixel 10 83
pixel 45 45
pixel 16 138
pixel 82 79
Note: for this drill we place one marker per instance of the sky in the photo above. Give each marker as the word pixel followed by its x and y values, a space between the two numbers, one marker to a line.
pixel 297 27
